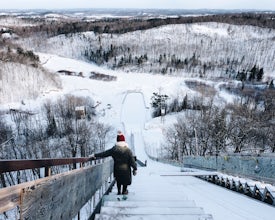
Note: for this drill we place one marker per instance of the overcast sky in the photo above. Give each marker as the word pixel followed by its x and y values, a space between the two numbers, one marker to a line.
pixel 169 4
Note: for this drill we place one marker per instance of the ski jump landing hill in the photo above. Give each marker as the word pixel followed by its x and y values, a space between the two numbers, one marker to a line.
pixel 162 191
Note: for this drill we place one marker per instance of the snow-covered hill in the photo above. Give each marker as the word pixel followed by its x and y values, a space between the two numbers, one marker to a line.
pixel 177 53
pixel 124 102
pixel 200 49
pixel 121 103
pixel 19 82
pixel 110 95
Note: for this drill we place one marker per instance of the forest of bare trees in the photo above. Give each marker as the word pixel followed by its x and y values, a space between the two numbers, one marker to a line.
pixel 237 46
pixel 109 42
pixel 124 25
pixel 56 132
pixel 244 126
pixel 205 50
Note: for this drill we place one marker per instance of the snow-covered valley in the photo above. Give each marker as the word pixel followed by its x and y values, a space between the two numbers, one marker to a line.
pixel 198 63
pixel 116 75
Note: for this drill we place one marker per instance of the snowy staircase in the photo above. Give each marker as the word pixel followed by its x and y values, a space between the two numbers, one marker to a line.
pixel 141 207
pixel 151 197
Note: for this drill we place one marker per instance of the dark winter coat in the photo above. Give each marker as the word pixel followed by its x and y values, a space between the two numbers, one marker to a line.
pixel 123 161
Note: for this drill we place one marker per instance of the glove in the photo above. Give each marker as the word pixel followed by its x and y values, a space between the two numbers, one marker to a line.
pixel 92 157
pixel 134 172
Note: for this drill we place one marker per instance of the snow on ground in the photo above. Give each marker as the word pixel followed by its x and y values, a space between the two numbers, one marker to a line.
pixel 210 31
pixel 129 100
pixel 223 204
pixel 139 85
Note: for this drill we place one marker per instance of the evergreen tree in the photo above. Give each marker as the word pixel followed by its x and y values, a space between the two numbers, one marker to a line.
pixel 271 85
pixel 184 103
pixel 241 76
pixel 260 74
pixel 158 102
pixel 52 128
pixel 253 73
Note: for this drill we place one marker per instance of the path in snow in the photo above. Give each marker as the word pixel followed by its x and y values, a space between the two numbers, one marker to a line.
pixel 223 204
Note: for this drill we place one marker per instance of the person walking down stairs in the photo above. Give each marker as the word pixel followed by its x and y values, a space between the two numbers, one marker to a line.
pixel 124 163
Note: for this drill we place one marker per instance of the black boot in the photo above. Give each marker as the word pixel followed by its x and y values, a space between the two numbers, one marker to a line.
pixel 119 189
pixel 124 191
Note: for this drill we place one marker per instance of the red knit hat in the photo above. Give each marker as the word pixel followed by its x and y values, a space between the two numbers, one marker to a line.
pixel 120 136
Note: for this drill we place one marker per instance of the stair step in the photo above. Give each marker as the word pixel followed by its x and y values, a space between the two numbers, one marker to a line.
pixel 152 210
pixel 127 203
pixel 152 217
pixel 147 196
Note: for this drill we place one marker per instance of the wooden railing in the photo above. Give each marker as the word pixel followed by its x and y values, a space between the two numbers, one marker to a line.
pixel 59 196
pixel 16 165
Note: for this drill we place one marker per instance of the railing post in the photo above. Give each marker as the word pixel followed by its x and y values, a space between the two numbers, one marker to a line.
pixel 78 216
pixel 47 171
pixel 94 202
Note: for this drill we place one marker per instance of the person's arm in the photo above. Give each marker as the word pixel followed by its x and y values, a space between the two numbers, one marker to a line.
pixel 106 153
pixel 132 162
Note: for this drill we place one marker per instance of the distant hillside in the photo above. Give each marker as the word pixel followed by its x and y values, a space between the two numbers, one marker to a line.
pixel 206 46
pixel 19 82
pixel 21 76
pixel 118 22
pixel 200 49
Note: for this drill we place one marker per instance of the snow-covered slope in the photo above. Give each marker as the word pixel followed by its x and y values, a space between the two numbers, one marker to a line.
pixel 131 89
pixel 114 92
pixel 19 82
pixel 211 49
pixel 125 103
pixel 165 183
